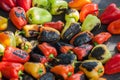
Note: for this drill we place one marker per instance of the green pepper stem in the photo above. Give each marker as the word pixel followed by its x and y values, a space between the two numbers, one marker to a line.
pixel 95 43
pixel 100 71
pixel 69 74
pixel 19 74
pixel 40 71
pixel 26 47
pixel 51 56
pixel 70 51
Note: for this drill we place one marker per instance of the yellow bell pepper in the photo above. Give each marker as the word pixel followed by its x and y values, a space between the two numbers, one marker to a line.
pixel 3 23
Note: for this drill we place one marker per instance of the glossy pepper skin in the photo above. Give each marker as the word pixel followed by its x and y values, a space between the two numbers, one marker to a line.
pixel 101 37
pixel 3 23
pixel 35 69
pixel 88 9
pixel 64 70
pixel 12 54
pixel 11 70
pixel 114 27
pixel 25 4
pixel 7 5
pixel 49 51
pixel 118 46
pixel 110 14
pixel 18 17
pixel 93 69
pixel 78 4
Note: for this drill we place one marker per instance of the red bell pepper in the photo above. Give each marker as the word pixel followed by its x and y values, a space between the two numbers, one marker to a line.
pixel 64 70
pixel 110 14
pixel 7 5
pixel 10 70
pixel 113 65
pixel 12 54
pixel 56 25
pixel 101 37
pixel 49 51
pixel 114 27
pixel 118 46
pixel 18 17
pixel 88 9
pixel 25 4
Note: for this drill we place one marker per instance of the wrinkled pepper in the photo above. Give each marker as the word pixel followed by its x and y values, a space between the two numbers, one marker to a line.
pixel 88 9
pixel 64 70
pixel 118 46
pixel 7 38
pixel 90 23
pixel 114 27
pixel 101 37
pixel 110 14
pixel 2 49
pixel 48 51
pixel 25 4
pixel 93 69
pixel 78 4
pixel 17 55
pixel 35 69
pixel 10 70
pixel 7 5
pixel 3 23
pixel 113 65
pixel 18 17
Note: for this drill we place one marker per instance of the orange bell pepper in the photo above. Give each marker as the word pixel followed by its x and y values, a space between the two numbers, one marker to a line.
pixel 78 4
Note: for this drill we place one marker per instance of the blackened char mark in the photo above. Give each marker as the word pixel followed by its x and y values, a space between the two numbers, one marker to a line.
pixel 47 76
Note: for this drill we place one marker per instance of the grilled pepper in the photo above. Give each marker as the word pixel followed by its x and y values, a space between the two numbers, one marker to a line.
pixel 47 76
pixel 71 27
pixel 18 17
pixel 3 23
pixel 7 5
pixel 37 15
pixel 81 38
pixel 90 22
pixel 49 35
pixel 2 49
pixel 7 38
pixel 58 6
pixel 10 70
pixel 25 4
pixel 49 51
pixel 12 54
pixel 113 65
pixel 78 4
pixel 64 70
pixel 88 9
pixel 101 53
pixel 82 51
pixel 101 37
pixel 110 14
pixel 114 27
pixel 93 69
pixel 27 77
pixel 35 69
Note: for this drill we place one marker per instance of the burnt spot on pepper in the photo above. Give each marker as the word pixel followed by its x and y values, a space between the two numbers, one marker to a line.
pixel 33 33
pixel 18 14
pixel 83 77
pixel 69 11
pixel 47 76
pixel 89 66
pixel 97 53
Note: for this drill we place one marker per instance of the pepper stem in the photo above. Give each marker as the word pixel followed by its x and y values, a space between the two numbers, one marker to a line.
pixel 69 74
pixel 26 47
pixel 51 56
pixel 19 74
pixel 100 71
pixel 95 43
pixel 70 51
pixel 40 71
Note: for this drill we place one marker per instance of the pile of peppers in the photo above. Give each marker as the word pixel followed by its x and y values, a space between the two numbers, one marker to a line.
pixel 43 49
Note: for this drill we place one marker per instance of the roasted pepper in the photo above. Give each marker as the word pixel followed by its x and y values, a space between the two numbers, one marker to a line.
pixel 78 4
pixel 49 35
pixel 114 27
pixel 47 76
pixel 81 38
pixel 118 46
pixel 90 22
pixel 7 5
pixel 64 70
pixel 25 4
pixel 2 49
pixel 18 17
pixel 35 69
pixel 58 6
pixel 100 52
pixel 56 25
pixel 93 69
pixel 3 23
pixel 110 14
pixel 48 51
pixel 37 15
pixel 88 9
pixel 71 27
pixel 7 38
pixel 101 37
pixel 12 54
pixel 10 70
pixel 113 65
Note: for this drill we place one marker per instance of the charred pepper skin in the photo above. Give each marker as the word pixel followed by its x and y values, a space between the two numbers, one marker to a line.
pixel 47 76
